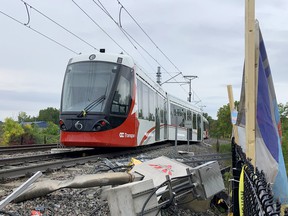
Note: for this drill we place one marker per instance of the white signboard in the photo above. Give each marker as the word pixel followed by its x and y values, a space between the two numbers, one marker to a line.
pixel 188 123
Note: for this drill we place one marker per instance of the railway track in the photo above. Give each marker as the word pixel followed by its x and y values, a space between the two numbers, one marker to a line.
pixel 205 158
pixel 25 166
pixel 15 161
pixel 26 148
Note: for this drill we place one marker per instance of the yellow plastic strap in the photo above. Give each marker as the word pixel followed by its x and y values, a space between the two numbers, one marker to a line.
pixel 241 192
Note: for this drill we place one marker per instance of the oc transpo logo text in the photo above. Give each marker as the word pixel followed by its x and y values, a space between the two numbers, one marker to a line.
pixel 126 135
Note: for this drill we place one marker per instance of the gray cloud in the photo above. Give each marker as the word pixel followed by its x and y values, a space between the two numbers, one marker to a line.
pixel 203 38
pixel 13 102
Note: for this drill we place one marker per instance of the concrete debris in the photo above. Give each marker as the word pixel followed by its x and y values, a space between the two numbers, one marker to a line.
pixel 161 182
pixel 45 187
pixel 166 182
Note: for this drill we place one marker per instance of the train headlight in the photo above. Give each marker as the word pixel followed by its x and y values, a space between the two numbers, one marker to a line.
pixel 62 125
pixel 101 125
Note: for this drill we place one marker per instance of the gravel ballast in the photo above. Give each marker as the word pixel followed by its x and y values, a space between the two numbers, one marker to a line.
pixel 88 201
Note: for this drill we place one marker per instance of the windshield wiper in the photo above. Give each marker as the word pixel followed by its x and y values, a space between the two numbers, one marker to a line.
pixel 94 103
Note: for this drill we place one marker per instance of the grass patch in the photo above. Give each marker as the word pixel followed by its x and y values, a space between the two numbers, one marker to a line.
pixel 222 147
pixel 225 148
pixel 285 150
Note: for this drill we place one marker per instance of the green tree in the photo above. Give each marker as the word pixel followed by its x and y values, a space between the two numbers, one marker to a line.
pixel 23 117
pixel 1 132
pixel 224 122
pixel 12 132
pixel 49 114
pixel 51 133
pixel 212 125
pixel 213 129
pixel 32 134
pixel 283 111
pixel 209 118
pixel 52 129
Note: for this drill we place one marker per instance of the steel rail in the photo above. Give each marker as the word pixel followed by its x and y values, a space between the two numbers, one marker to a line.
pixel 32 158
pixel 24 171
pixel 24 146
pixel 14 149
pixel 82 158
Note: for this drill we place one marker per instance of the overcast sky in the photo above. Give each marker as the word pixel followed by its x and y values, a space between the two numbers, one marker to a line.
pixel 202 38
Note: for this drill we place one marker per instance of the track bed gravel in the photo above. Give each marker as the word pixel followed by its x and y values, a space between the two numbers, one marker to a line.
pixel 88 201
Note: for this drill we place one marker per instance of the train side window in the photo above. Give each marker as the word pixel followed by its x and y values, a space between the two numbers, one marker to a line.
pixel 173 114
pixel 145 98
pixel 194 121
pixel 199 121
pixel 199 127
pixel 177 115
pixel 161 106
pixel 182 117
pixel 140 99
pixel 151 105
pixel 189 117
pixel 121 97
pixel 184 114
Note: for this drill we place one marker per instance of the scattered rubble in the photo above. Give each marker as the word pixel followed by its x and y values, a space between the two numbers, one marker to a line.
pixel 88 201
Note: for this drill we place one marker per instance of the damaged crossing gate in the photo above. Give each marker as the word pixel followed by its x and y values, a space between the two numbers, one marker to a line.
pixel 165 182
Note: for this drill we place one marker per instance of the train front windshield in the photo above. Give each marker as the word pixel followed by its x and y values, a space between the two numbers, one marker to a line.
pixel 86 86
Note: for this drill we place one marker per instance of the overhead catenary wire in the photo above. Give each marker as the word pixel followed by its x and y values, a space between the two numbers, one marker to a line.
pixel 129 37
pixel 157 47
pixel 40 33
pixel 99 27
pixel 28 14
pixel 102 7
pixel 122 7
pixel 61 26
pixel 152 41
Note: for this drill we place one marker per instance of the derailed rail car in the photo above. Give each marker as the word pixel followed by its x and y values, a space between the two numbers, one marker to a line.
pixel 108 101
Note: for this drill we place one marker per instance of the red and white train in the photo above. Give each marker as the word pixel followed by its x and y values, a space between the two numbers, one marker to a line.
pixel 107 101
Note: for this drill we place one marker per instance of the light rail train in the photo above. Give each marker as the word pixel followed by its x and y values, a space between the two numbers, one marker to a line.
pixel 108 101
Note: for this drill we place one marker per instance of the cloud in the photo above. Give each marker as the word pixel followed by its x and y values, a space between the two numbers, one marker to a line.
pixel 13 102
pixel 203 38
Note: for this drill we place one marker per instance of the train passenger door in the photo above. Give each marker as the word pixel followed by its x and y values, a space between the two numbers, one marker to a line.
pixel 199 128
pixel 157 124
pixel 189 125
pixel 165 119
pixel 194 128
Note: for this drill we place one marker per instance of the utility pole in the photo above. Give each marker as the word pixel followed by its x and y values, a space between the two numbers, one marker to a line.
pixel 158 75
pixel 190 78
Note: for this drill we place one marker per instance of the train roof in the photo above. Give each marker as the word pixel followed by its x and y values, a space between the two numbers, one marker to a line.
pixel 182 103
pixel 172 98
pixel 107 57
pixel 148 80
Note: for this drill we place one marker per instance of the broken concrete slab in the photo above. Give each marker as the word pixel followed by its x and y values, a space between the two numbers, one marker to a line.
pixel 45 187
